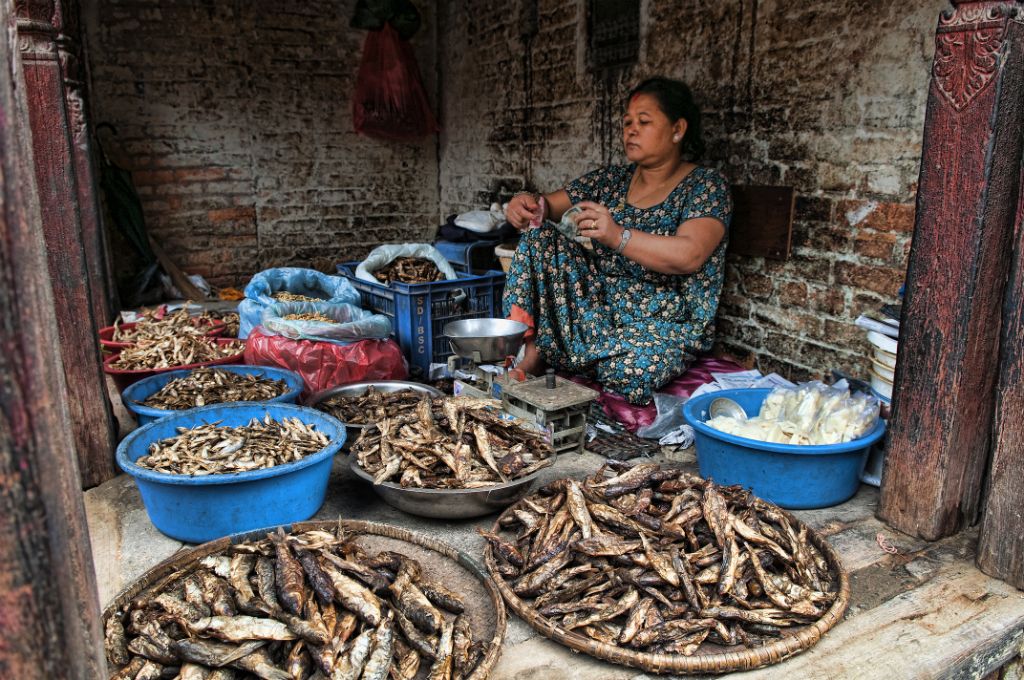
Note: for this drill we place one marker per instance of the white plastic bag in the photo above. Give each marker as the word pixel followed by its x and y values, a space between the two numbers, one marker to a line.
pixel 381 256
pixel 481 221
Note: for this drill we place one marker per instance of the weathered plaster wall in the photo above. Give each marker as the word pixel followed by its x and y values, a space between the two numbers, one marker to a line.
pixel 235 117
pixel 826 97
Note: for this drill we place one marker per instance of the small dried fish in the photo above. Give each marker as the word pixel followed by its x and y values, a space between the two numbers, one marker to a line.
pixel 370 407
pixel 214 386
pixel 409 270
pixel 364 637
pixel 215 449
pixel 179 350
pixel 285 296
pixel 154 325
pixel 451 443
pixel 309 316
pixel 671 562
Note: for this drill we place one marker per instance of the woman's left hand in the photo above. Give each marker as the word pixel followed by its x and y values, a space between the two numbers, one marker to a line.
pixel 596 223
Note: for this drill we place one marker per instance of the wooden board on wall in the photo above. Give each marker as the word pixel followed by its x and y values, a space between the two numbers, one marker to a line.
pixel 762 221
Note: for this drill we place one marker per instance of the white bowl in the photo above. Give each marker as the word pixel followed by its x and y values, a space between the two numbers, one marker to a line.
pixel 883 342
pixel 887 372
pixel 885 358
pixel 881 385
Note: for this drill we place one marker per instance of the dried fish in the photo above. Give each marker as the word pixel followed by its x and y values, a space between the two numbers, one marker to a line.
pixel 285 296
pixel 155 325
pixel 655 559
pixel 356 634
pixel 309 316
pixel 409 270
pixel 215 449
pixel 450 443
pixel 178 350
pixel 371 406
pixel 214 386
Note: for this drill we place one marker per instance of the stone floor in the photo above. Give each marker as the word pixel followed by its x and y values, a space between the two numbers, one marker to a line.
pixel 925 612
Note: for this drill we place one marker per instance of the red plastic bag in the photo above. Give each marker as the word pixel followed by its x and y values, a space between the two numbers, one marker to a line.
pixel 326 364
pixel 389 100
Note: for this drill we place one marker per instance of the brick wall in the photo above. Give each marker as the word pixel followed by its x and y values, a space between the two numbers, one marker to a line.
pixel 826 97
pixel 235 118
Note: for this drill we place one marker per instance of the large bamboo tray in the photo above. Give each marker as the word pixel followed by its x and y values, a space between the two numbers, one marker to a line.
pixel 709 658
pixel 485 608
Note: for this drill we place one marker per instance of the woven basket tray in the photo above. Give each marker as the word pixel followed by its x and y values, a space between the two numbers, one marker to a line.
pixel 485 609
pixel 709 658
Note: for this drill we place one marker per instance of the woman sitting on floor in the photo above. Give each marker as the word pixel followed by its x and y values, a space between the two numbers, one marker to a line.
pixel 634 311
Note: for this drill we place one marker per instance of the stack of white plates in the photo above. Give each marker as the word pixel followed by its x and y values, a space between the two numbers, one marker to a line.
pixel 883 363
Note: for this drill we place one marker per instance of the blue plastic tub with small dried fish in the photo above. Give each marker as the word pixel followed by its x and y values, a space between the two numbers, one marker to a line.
pixel 195 509
pixel 791 476
pixel 138 392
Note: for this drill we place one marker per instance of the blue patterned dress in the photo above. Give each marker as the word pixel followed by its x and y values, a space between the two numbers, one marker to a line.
pixel 600 314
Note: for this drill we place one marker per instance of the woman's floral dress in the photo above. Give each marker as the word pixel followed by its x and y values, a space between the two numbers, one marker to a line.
pixel 600 314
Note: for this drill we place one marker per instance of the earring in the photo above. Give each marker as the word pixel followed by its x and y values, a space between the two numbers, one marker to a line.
pixel 676 139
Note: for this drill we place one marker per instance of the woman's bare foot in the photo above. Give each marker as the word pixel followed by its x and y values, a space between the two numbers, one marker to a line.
pixel 532 362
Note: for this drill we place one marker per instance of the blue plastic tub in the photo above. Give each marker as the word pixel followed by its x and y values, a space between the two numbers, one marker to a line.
pixel 791 476
pixel 198 509
pixel 420 311
pixel 142 390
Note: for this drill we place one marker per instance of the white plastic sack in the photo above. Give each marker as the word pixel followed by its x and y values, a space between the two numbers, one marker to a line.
pixel 381 256
pixel 481 221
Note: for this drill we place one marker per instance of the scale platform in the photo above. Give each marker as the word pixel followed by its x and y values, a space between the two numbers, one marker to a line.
pixel 558 405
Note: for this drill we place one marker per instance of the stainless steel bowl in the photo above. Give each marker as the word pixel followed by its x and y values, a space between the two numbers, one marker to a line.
pixel 493 339
pixel 449 503
pixel 353 430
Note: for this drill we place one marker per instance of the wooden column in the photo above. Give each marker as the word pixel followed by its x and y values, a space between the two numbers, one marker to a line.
pixel 62 231
pixel 1001 547
pixel 49 614
pixel 103 292
pixel 967 197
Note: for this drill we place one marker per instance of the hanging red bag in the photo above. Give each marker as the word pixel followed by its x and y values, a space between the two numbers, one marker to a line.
pixel 390 102
pixel 326 364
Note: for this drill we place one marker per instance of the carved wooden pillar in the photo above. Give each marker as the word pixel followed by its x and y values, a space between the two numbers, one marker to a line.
pixel 945 377
pixel 49 614
pixel 67 24
pixel 1001 546
pixel 55 177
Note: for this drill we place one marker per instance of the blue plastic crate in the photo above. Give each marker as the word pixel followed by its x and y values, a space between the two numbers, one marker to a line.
pixel 420 311
pixel 470 258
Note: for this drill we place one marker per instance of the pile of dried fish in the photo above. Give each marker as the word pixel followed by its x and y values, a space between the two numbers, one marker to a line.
pixel 659 560
pixel 285 296
pixel 179 350
pixel 309 316
pixel 371 406
pixel 451 443
pixel 230 320
pixel 152 326
pixel 214 386
pixel 409 270
pixel 291 607
pixel 216 449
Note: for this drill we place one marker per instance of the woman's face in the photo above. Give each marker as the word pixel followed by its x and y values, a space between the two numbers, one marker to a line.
pixel 647 132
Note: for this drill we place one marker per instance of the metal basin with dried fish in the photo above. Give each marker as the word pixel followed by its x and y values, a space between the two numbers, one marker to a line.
pixel 344 599
pixel 201 508
pixel 656 568
pixel 453 457
pixel 230 351
pixel 290 385
pixel 360 405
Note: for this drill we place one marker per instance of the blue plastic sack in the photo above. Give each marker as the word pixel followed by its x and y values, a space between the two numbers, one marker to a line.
pixel 309 282
pixel 351 322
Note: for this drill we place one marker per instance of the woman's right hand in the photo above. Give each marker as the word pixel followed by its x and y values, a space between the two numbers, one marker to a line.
pixel 521 210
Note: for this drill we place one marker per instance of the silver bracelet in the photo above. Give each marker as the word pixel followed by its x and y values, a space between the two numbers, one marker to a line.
pixel 626 235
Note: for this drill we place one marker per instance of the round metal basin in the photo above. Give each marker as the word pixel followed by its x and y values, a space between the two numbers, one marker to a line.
pixel 485 340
